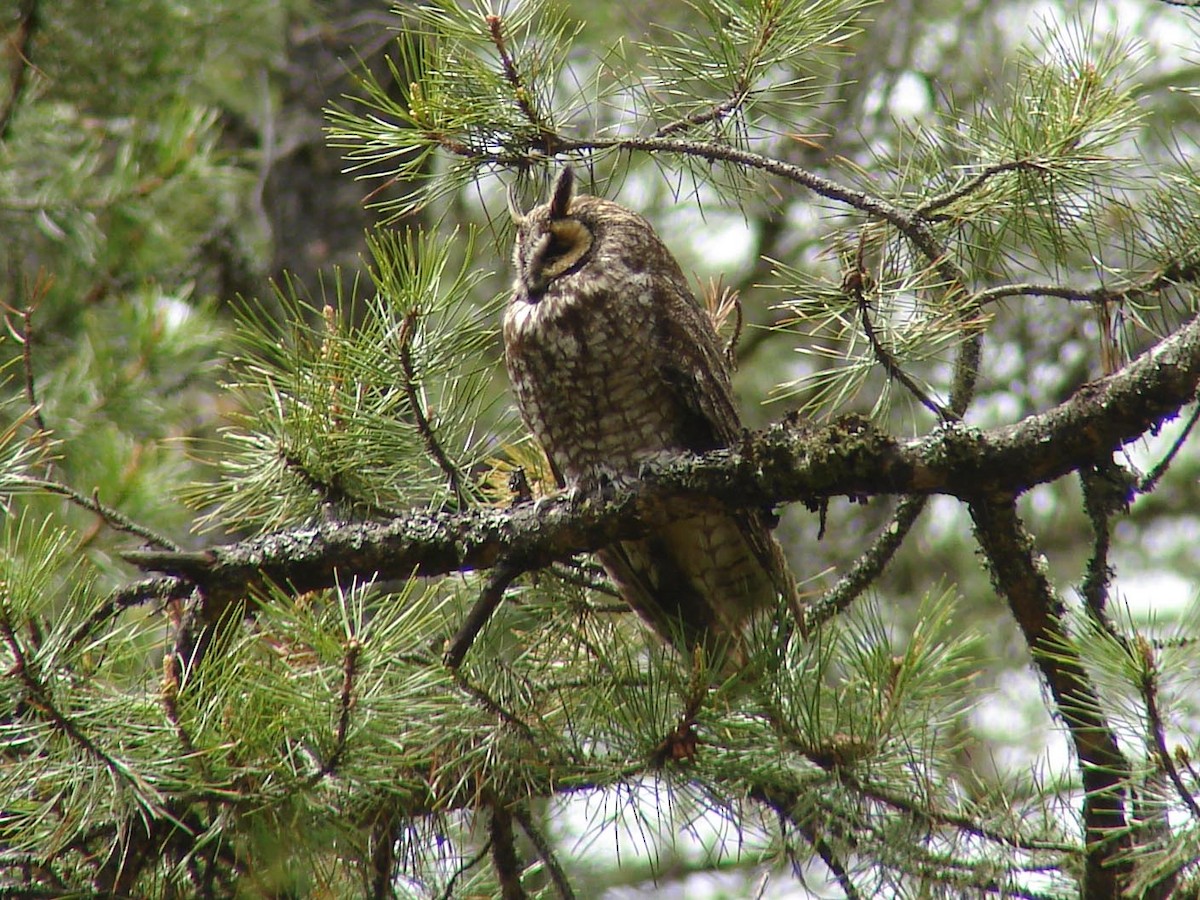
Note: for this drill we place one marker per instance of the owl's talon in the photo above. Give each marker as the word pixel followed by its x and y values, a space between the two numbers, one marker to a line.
pixel 606 488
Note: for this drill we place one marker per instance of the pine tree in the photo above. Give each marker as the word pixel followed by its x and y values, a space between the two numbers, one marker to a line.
pixel 368 653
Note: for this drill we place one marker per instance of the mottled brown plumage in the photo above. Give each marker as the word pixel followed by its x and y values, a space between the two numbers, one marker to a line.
pixel 615 365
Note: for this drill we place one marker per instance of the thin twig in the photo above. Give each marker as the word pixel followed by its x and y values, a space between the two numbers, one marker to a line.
pixel 952 820
pixel 20 43
pixel 489 600
pixel 577 576
pixel 974 184
pixel 540 843
pixel 26 340
pixel 38 698
pixel 1167 277
pixel 832 862
pixel 407 331
pixel 345 707
pixel 889 362
pixel 147 590
pixel 716 112
pixel 868 566
pixel 467 866
pixel 492 705
pixel 1149 691
pixel 114 518
pixel 855 284
pixel 520 92
pixel 1150 481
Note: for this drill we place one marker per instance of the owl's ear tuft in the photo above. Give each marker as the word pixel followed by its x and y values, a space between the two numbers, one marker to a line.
pixel 563 191
pixel 514 209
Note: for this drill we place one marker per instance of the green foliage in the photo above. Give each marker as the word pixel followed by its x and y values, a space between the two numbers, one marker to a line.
pixel 494 85
pixel 1026 237
pixel 730 60
pixel 344 405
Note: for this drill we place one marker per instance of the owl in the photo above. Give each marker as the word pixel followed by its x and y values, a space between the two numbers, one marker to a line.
pixel 615 365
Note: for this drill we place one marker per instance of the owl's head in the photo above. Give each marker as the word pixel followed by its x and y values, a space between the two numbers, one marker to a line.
pixel 568 234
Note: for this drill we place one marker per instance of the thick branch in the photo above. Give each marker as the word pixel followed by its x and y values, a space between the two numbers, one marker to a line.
pixel 1020 578
pixel 784 464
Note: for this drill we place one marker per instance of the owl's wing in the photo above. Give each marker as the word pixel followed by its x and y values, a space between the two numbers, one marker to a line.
pixel 697 373
pixel 694 368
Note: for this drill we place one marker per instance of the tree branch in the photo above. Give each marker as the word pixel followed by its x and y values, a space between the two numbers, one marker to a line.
pixel 786 463
pixel 505 860
pixel 1104 771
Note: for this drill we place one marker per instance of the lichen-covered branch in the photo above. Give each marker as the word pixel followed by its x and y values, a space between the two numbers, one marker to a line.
pixel 786 463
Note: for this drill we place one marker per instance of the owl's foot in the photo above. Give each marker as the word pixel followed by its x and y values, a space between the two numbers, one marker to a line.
pixel 606 487
pixel 572 494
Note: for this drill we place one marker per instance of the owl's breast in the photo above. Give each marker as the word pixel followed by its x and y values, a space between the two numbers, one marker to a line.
pixel 586 371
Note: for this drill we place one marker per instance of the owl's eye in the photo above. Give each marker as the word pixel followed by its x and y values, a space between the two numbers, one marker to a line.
pixel 557 247
pixel 569 241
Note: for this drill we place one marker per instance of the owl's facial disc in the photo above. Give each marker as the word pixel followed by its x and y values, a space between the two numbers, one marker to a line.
pixel 560 249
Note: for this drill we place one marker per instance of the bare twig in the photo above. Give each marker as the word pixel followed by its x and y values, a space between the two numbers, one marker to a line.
pixel 345 707
pixel 974 184
pixel 114 518
pixel 467 866
pixel 577 576
pixel 545 852
pixel 407 331
pixel 952 820
pixel 24 337
pixel 832 862
pixel 855 285
pixel 1150 481
pixel 716 113
pixel 1169 276
pixel 492 705
pixel 27 361
pixel 867 567
pixel 489 600
pixel 148 590
pixel 20 43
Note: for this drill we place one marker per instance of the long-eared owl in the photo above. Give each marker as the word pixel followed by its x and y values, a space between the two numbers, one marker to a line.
pixel 615 364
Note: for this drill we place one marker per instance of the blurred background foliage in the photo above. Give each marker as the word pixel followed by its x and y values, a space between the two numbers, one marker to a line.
pixel 174 222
